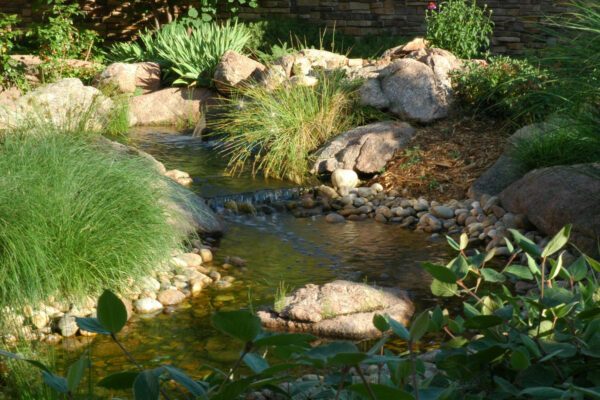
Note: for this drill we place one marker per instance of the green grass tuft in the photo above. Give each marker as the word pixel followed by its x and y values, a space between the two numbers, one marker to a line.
pixel 76 218
pixel 276 132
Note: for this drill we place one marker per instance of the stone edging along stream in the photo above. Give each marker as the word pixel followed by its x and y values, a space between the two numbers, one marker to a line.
pixel 184 276
pixel 485 222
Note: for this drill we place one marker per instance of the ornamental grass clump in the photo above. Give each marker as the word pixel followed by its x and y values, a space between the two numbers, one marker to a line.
pixel 76 217
pixel 276 132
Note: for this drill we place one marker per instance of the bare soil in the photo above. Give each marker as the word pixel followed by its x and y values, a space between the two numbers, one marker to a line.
pixel 442 160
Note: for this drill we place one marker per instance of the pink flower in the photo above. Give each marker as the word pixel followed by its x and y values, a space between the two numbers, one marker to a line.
pixel 432 5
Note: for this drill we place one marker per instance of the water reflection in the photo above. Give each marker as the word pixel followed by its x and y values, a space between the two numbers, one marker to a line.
pixel 278 248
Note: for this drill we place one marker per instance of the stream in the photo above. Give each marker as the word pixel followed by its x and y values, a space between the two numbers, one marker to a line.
pixel 278 248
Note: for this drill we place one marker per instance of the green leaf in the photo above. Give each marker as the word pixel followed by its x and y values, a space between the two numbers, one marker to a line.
pixel 330 350
pixel 506 386
pixel 91 325
pixel 579 269
pixel 437 316
pixel 519 271
pixel 419 327
pixel 595 264
pixel 455 343
pixel 527 245
pixel 443 289
pixel 56 382
pixel 234 389
pixel 256 363
pixel 112 313
pixel 380 323
pixel 453 243
pixel 10 355
pixel 240 324
pixel 146 385
pixel 556 267
pixel 440 273
pixel 489 275
pixel 184 380
pixel 543 392
pixel 483 322
pixel 382 392
pixel 460 267
pixel 533 266
pixel 347 359
pixel 519 360
pixel 557 242
pixel 399 329
pixel 119 381
pixel 192 13
pixel 283 339
pixel 76 371
pixel 556 296
pixel 530 345
pixel 464 241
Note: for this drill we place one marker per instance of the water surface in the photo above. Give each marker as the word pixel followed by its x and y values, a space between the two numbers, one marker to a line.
pixel 277 247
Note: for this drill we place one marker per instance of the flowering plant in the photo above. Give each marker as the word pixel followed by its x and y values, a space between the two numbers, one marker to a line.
pixel 459 27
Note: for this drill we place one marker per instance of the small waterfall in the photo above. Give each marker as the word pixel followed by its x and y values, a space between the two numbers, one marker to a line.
pixel 263 196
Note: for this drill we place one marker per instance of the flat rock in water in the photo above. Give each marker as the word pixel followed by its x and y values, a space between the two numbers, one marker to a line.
pixel 340 309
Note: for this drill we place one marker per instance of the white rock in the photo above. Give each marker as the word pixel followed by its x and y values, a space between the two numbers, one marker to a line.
pixel 344 178
pixel 206 255
pixel 190 260
pixel 147 305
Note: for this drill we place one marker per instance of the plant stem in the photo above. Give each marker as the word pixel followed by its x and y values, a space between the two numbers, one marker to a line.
pixel 543 278
pixel 128 354
pixel 237 364
pixel 414 370
pixel 137 364
pixel 362 376
pixel 341 385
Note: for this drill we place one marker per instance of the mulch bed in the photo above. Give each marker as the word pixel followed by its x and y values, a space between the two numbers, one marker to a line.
pixel 442 160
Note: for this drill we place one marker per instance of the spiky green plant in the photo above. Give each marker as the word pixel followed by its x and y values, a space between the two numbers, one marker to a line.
pixel 76 217
pixel 275 132
pixel 189 54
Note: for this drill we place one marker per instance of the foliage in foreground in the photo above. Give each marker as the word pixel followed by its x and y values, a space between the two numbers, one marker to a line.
pixel 461 28
pixel 76 217
pixel 275 132
pixel 545 344
pixel 188 54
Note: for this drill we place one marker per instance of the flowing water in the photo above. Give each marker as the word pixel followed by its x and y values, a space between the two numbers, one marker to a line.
pixel 278 247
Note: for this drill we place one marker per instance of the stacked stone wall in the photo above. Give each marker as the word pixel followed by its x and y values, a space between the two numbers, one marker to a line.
pixel 516 29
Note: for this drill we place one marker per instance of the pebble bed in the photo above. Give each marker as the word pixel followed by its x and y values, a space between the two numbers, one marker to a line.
pixel 485 222
pixel 185 275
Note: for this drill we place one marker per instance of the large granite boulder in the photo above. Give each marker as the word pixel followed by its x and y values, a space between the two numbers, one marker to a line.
pixel 340 309
pixel 506 169
pixel 128 77
pixel 324 59
pixel 235 70
pixel 556 196
pixel 63 104
pixel 365 149
pixel 401 51
pixel 168 106
pixel 416 87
